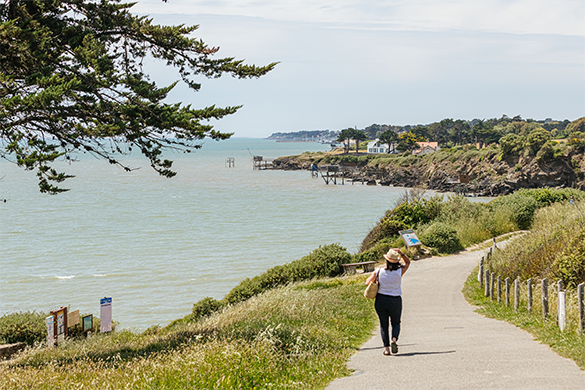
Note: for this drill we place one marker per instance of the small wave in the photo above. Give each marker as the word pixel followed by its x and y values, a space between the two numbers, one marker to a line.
pixel 65 277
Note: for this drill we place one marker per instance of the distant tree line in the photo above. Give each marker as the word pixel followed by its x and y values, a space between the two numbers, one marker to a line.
pixel 311 135
pixel 515 134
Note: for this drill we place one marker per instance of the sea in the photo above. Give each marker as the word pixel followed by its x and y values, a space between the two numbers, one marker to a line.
pixel 157 245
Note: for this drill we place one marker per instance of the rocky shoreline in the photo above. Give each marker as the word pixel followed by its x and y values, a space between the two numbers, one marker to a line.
pixel 487 176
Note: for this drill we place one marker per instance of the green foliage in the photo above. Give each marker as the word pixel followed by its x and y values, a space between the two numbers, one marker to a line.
pixel 554 249
pixel 298 336
pixel 473 222
pixel 26 327
pixel 520 207
pixel 322 262
pixel 547 196
pixel 535 140
pixel 442 237
pixel 205 307
pixel 72 80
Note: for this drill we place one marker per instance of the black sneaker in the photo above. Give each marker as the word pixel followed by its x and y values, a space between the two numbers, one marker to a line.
pixel 394 346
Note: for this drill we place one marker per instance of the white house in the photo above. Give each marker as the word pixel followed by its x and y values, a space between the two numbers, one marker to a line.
pixel 374 148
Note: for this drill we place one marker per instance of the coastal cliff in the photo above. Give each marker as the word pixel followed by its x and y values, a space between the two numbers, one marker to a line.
pixel 489 174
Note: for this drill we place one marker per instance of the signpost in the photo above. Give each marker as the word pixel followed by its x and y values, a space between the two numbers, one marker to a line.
pixel 50 322
pixel 410 238
pixel 73 318
pixel 87 323
pixel 106 315
pixel 59 324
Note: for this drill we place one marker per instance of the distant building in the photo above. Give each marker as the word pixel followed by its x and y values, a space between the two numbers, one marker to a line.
pixel 426 148
pixel 374 148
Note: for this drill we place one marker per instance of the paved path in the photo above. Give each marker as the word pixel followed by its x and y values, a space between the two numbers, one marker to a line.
pixel 444 344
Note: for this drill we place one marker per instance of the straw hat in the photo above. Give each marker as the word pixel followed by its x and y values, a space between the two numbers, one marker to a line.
pixel 392 256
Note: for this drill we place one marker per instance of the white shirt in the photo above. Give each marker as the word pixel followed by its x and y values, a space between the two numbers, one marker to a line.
pixel 390 282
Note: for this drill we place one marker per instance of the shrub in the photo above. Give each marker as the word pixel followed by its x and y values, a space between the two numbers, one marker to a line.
pixel 26 327
pixel 322 262
pixel 546 153
pixel 205 307
pixel 442 237
pixel 520 207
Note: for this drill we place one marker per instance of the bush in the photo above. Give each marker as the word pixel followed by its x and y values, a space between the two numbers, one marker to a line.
pixel 520 207
pixel 205 307
pixel 322 262
pixel 441 237
pixel 26 327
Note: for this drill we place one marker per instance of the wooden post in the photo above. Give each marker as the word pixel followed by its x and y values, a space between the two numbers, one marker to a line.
pixel 492 283
pixel 486 280
pixel 516 294
pixel 559 289
pixel 507 281
pixel 499 288
pixel 480 273
pixel 544 287
pixel 529 287
pixel 562 310
pixel 581 305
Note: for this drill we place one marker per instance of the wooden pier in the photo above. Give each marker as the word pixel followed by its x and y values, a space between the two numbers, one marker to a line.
pixel 333 174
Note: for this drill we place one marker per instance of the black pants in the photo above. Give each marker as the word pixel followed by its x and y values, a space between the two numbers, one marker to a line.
pixel 389 310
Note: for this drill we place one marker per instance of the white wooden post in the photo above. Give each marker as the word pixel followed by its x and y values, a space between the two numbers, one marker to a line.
pixel 516 294
pixel 492 282
pixel 480 273
pixel 544 286
pixel 507 281
pixel 580 299
pixel 562 310
pixel 486 280
pixel 529 286
pixel 559 289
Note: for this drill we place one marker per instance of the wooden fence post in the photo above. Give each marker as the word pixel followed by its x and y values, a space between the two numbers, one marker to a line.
pixel 562 310
pixel 544 286
pixel 480 273
pixel 559 289
pixel 492 283
pixel 486 280
pixel 516 294
pixel 529 287
pixel 507 281
pixel 581 305
pixel 499 288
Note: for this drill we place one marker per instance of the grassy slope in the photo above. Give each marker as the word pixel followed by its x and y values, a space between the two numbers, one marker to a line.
pixel 299 336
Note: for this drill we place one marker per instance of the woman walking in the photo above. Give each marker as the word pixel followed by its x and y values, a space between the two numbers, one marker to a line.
pixel 389 300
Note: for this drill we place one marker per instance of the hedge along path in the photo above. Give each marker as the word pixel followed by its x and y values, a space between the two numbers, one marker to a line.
pixel 444 344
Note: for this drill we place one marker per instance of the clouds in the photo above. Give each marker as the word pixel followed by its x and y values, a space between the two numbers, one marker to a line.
pixel 348 63
pixel 556 17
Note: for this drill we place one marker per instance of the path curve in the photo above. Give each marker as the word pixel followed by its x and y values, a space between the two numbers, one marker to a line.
pixel 444 344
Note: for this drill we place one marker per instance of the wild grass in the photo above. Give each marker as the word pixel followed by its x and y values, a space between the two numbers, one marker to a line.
pixel 568 343
pixel 297 336
pixel 554 248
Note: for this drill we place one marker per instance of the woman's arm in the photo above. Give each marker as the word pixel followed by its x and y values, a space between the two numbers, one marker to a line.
pixel 405 259
pixel 372 277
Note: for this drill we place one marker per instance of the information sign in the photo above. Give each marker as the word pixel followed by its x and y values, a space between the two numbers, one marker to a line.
pixel 73 318
pixel 50 322
pixel 87 323
pixel 409 237
pixel 106 315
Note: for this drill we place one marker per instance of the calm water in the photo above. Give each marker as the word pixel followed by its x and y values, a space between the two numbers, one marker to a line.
pixel 158 245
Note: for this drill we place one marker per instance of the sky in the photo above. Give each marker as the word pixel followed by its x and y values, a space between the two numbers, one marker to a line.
pixel 351 63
